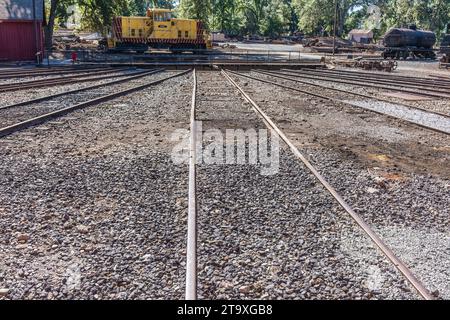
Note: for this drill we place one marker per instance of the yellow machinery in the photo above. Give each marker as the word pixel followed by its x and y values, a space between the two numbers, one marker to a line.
pixel 158 30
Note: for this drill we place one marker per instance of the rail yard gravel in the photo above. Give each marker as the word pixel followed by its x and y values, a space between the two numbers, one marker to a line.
pixel 94 207
pixel 7 98
pixel 379 171
pixel 101 208
pixel 436 105
pixel 14 115
pixel 278 236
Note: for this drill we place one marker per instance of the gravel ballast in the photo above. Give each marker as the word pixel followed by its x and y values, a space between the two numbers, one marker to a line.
pixel 11 97
pixel 279 236
pixel 92 207
pixel 413 115
pixel 14 115
pixel 394 175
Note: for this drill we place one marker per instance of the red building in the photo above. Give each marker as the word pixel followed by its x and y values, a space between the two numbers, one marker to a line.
pixel 21 30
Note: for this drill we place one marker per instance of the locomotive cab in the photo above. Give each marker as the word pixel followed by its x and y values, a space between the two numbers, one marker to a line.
pixel 158 29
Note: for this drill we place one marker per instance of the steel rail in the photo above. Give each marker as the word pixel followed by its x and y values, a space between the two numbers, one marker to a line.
pixel 191 251
pixel 318 78
pixel 361 223
pixel 404 84
pixel 438 78
pixel 50 72
pixel 43 118
pixel 56 81
pixel 268 73
pixel 382 77
pixel 135 75
pixel 27 70
pixel 341 101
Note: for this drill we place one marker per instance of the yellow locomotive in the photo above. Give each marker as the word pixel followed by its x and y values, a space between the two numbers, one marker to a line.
pixel 158 30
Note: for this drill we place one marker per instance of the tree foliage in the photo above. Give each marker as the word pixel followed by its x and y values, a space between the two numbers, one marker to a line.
pixel 269 17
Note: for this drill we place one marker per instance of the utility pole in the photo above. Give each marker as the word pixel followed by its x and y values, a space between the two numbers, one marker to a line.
pixel 335 25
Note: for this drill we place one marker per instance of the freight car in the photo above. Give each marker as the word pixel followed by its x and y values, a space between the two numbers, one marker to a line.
pixel 402 43
pixel 157 30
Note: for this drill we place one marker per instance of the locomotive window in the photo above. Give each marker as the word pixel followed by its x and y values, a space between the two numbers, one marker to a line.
pixel 179 34
pixel 133 32
pixel 186 34
pixel 141 33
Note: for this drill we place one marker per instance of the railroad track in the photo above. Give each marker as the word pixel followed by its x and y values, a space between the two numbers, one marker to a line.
pixel 193 216
pixel 431 120
pixel 362 83
pixel 390 76
pixel 49 71
pixel 126 77
pixel 55 81
pixel 347 92
pixel 416 82
pixel 31 119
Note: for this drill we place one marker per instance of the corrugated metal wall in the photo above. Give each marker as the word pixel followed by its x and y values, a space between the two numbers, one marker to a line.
pixel 18 40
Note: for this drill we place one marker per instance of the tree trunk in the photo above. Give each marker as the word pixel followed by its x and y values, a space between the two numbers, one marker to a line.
pixel 50 25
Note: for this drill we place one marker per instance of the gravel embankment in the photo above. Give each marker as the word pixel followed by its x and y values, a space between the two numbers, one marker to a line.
pixel 93 207
pixel 278 236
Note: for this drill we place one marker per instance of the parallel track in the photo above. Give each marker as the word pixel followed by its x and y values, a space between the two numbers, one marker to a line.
pixel 390 76
pixel 367 77
pixel 58 113
pixel 191 265
pixel 128 77
pixel 275 75
pixel 48 71
pixel 428 93
pixel 361 223
pixel 59 80
pixel 341 101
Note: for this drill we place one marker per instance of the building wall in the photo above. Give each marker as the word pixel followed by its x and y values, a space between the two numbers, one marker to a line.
pixel 20 9
pixel 19 39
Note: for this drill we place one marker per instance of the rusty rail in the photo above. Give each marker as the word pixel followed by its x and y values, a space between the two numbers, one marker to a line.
pixel 128 77
pixel 60 80
pixel 40 119
pixel 361 223
pixel 341 101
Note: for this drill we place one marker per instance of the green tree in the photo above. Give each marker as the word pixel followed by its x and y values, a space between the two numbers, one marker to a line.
pixel 195 9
